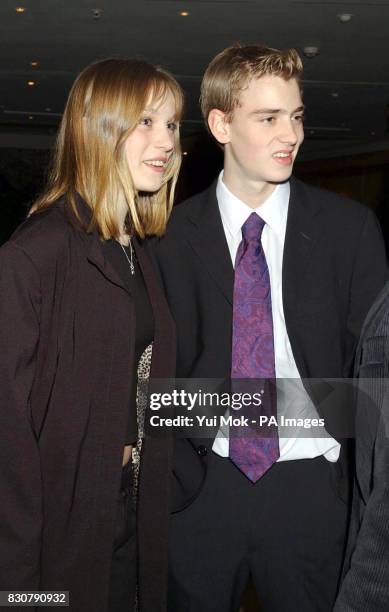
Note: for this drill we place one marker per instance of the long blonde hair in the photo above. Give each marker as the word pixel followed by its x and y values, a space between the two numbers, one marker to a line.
pixel 104 106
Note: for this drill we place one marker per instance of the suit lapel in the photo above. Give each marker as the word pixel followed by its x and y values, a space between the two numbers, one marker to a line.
pixel 302 233
pixel 207 239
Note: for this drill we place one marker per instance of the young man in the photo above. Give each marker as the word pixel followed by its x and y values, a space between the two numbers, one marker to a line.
pixel 266 277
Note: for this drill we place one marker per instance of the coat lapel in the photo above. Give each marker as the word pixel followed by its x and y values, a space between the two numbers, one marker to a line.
pixel 164 328
pixel 302 233
pixel 96 257
pixel 92 240
pixel 207 239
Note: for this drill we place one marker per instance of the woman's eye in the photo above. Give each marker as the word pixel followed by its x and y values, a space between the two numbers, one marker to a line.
pixel 172 126
pixel 145 121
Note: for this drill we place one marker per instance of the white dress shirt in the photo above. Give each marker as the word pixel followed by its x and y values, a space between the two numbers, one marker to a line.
pixel 292 399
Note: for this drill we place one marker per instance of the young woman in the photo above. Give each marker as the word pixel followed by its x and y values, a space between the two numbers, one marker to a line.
pixel 81 315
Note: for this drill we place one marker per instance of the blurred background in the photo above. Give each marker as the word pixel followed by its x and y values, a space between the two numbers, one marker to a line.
pixel 345 47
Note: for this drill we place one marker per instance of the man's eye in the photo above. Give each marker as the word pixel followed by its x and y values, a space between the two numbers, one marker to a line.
pixel 299 118
pixel 267 119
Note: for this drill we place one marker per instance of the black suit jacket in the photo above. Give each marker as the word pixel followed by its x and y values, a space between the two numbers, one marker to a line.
pixel 334 265
pixel 366 569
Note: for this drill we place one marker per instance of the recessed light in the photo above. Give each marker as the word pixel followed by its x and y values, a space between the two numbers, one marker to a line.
pixel 48 109
pixel 185 152
pixel 311 51
pixel 34 63
pixel 20 9
pixel 345 17
pixel 31 83
pixel 184 13
pixel 335 94
pixel 30 117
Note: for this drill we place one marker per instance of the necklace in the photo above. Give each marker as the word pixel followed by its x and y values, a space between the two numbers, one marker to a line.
pixel 129 259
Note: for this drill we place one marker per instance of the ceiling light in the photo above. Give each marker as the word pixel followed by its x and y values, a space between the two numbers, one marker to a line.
pixel 20 9
pixel 335 94
pixel 311 51
pixel 34 63
pixel 185 152
pixel 184 13
pixel 30 117
pixel 31 83
pixel 48 109
pixel 345 17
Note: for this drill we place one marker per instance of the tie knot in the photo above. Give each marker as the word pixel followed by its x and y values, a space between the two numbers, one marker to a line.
pixel 252 228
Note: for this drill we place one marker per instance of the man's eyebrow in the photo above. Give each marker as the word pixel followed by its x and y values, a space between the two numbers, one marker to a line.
pixel 266 111
pixel 275 111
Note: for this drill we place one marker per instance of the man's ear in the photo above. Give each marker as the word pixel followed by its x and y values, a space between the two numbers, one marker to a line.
pixel 219 126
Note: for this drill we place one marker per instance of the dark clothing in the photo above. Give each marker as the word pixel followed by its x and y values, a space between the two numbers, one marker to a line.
pixel 366 569
pixel 144 330
pixel 334 265
pixel 67 334
pixel 295 557
pixel 122 582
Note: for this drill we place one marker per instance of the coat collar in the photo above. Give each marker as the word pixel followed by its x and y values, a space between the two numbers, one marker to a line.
pixel 94 251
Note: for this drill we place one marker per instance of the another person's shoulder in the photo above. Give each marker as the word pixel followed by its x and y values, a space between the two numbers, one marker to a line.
pixel 377 320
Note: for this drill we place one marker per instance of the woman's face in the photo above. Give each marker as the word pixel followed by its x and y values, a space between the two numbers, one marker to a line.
pixel 150 145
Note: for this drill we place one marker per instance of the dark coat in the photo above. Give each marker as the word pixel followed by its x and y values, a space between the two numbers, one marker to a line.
pixel 366 581
pixel 334 265
pixel 67 346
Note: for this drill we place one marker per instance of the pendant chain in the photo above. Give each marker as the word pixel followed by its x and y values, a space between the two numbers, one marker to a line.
pixel 129 259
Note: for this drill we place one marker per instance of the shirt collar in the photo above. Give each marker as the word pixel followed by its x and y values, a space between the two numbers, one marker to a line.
pixel 234 212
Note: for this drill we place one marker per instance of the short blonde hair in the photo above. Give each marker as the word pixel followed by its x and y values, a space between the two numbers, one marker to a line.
pixel 232 70
pixel 104 106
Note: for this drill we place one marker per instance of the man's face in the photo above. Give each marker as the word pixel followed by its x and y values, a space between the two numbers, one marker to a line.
pixel 265 133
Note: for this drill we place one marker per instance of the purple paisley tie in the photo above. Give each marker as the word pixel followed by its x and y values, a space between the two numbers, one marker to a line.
pixel 253 354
